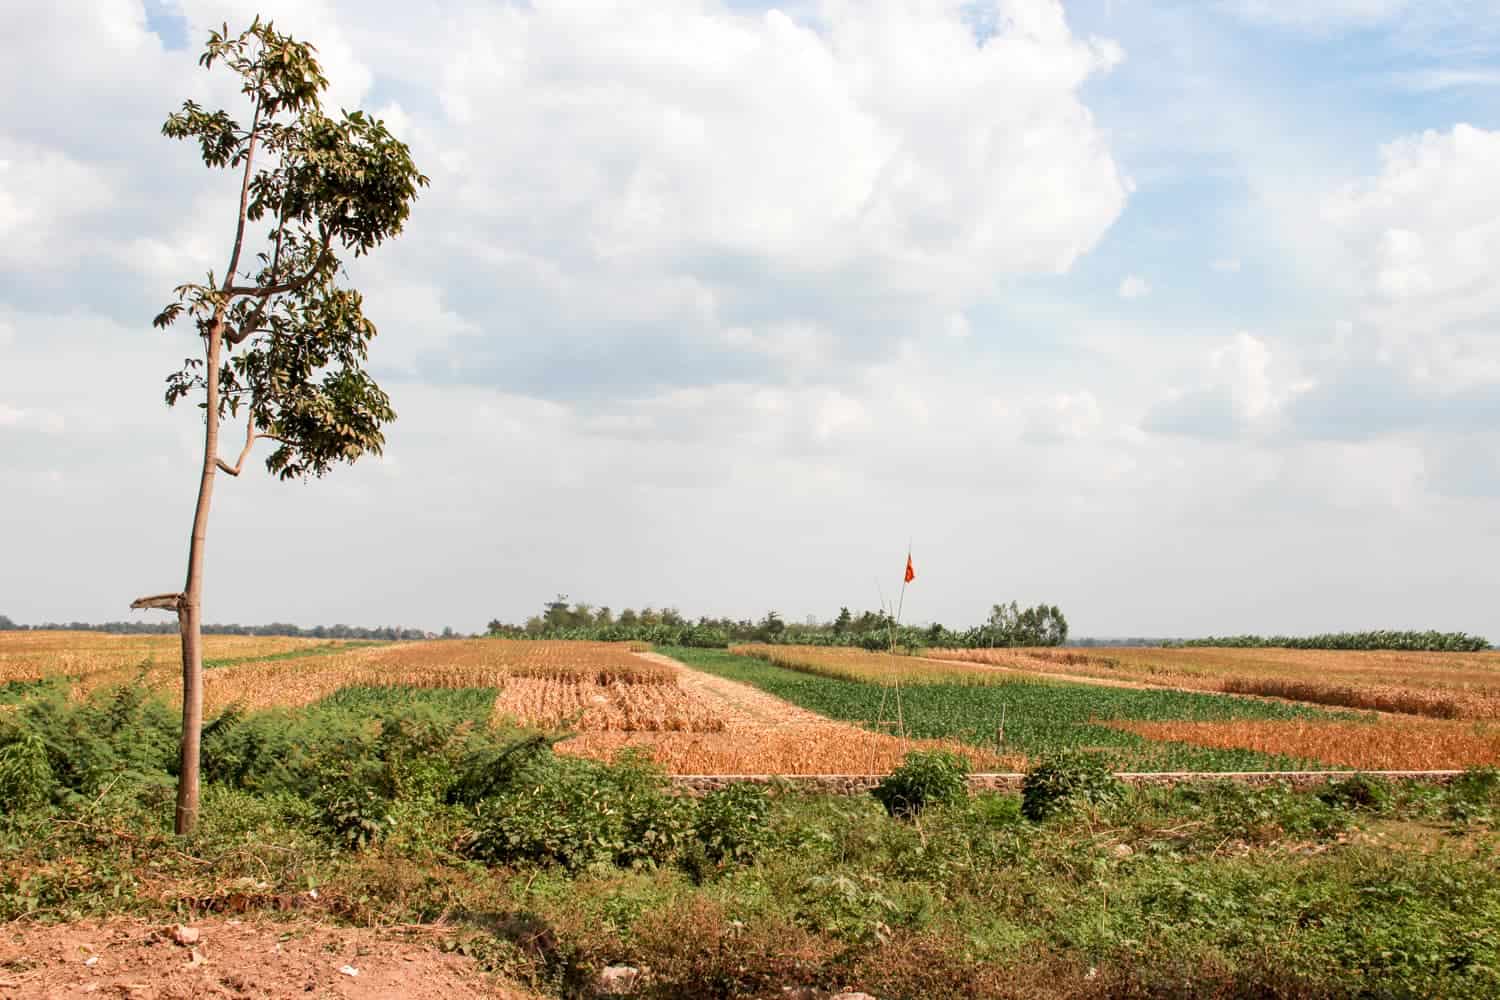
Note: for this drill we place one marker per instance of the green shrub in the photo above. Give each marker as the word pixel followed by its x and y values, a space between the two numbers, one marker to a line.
pixel 114 738
pixel 575 813
pixel 1265 814
pixel 1474 796
pixel 732 822
pixel 354 816
pixel 925 777
pixel 253 753
pixel 1064 781
pixel 490 770
pixel 1358 793
pixel 25 776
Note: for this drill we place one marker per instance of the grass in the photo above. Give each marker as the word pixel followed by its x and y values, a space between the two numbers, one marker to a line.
pixel 1039 717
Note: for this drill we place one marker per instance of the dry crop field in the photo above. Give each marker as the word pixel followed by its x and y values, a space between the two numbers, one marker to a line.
pixel 609 695
pixel 98 659
pixel 1387 744
pixel 1417 711
pixel 1436 685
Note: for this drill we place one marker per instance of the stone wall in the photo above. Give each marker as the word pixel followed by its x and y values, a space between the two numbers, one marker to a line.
pixel 858 784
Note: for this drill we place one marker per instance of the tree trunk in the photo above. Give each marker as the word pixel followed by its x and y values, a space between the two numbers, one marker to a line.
pixel 190 609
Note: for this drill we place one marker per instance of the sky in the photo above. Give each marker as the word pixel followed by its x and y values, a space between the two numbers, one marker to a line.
pixel 1182 315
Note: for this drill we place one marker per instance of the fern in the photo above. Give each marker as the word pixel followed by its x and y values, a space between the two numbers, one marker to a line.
pixel 225 722
pixel 25 775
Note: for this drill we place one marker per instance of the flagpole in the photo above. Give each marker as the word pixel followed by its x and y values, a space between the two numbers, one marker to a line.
pixel 902 603
pixel 900 606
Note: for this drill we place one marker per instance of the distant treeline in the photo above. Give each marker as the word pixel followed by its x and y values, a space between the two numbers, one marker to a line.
pixel 388 632
pixel 1007 625
pixel 1436 642
pixel 1142 642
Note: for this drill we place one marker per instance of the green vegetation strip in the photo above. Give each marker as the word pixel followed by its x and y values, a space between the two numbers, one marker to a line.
pixel 1039 716
pixel 327 649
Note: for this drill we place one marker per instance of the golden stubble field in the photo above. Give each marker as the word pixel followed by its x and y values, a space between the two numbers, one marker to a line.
pixel 1436 685
pixel 611 697
pixel 1437 710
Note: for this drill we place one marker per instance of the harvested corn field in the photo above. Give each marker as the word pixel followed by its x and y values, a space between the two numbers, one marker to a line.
pixel 270 672
pixel 89 657
pixel 553 702
pixel 1408 744
pixel 466 663
pixel 762 734
pixel 1436 685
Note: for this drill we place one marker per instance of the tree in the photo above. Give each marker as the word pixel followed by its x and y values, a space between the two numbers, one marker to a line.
pixel 556 614
pixel 842 622
pixel 282 340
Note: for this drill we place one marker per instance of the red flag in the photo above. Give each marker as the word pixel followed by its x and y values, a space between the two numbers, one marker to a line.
pixel 911 574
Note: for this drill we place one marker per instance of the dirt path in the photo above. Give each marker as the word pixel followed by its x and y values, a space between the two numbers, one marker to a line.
pixel 232 958
pixel 746 704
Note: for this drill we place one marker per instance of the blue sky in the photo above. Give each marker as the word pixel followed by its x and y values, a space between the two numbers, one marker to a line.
pixel 1180 315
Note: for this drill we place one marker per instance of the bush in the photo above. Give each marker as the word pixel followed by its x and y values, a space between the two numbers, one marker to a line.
pixel 731 823
pixel 1474 796
pixel 574 813
pixel 1359 792
pixel 25 776
pixel 116 738
pixel 1065 781
pixel 924 778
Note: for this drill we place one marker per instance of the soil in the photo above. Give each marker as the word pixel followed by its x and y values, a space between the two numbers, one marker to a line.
pixel 232 958
pixel 748 706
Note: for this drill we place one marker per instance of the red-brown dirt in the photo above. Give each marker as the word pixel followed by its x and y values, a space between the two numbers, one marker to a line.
pixel 231 958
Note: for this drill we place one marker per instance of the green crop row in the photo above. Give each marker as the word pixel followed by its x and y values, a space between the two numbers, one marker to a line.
pixel 1038 717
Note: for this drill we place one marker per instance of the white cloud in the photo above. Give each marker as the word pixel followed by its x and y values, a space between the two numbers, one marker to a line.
pixel 1420 240
pixel 1066 416
pixel 1134 287
pixel 1241 390
pixel 1227 265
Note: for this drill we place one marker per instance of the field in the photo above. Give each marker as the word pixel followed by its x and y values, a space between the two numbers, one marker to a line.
pixel 1438 685
pixel 1163 709
pixel 95 659
pixel 1038 716
pixel 1378 745
pixel 871 667
pixel 607 694
pixel 394 808
pixel 1287 724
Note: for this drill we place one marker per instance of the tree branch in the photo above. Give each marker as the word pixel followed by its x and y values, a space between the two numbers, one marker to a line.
pixel 250 436
pixel 239 231
pixel 266 292
pixel 161 602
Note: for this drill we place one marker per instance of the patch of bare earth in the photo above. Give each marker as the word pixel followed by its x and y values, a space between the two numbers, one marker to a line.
pixel 761 734
pixel 231 958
